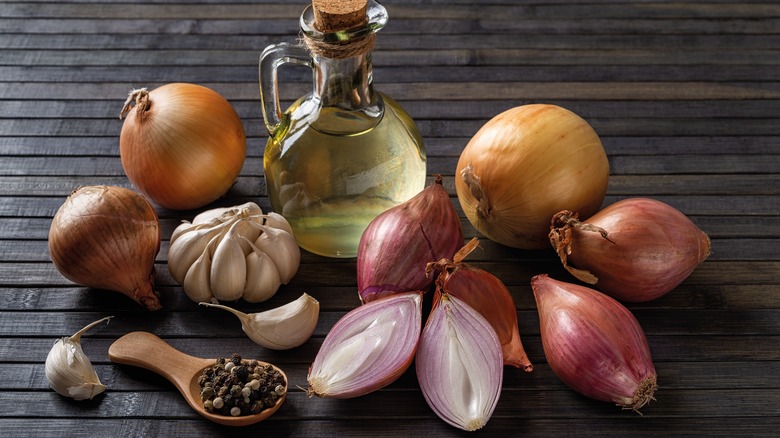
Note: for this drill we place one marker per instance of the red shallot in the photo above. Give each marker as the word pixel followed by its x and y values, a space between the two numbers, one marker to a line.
pixel 594 344
pixel 487 295
pixel 636 250
pixel 459 364
pixel 398 244
pixel 368 348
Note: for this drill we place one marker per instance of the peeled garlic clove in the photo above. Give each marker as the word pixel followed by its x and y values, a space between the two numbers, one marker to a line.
pixel 262 277
pixel 594 344
pixel 368 348
pixel 69 371
pixel 283 249
pixel 228 268
pixel 459 364
pixel 282 328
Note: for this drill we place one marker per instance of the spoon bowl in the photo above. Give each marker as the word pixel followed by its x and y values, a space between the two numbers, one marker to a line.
pixel 145 350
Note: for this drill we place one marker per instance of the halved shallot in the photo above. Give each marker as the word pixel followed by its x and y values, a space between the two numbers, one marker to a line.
pixel 459 364
pixel 594 344
pixel 368 348
pixel 487 295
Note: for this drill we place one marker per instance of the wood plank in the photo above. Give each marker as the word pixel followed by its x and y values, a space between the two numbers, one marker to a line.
pixel 652 91
pixel 393 74
pixel 455 11
pixel 392 428
pixel 406 404
pixel 436 146
pixel 402 56
pixel 422 25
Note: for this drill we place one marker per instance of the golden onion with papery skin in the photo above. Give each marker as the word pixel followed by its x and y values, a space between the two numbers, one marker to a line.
pixel 526 164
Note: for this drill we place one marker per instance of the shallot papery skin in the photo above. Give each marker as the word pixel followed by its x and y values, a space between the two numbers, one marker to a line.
pixel 649 249
pixel 486 294
pixel 594 344
pixel 107 237
pixel 398 244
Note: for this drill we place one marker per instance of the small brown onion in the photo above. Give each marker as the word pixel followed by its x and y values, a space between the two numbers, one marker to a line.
pixel 526 164
pixel 486 294
pixel 398 244
pixel 636 250
pixel 183 145
pixel 594 344
pixel 107 237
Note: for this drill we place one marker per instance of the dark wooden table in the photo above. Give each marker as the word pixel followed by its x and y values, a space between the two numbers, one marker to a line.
pixel 686 97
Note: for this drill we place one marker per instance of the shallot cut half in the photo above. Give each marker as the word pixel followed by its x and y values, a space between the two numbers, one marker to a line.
pixel 368 348
pixel 486 294
pixel 459 364
pixel 594 344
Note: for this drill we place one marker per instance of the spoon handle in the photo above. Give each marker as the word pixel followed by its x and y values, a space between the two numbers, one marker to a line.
pixel 145 350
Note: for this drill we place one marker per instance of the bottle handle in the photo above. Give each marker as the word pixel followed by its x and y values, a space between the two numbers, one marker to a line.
pixel 271 59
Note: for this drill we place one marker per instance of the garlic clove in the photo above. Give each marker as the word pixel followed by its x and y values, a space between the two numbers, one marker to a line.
pixel 368 348
pixel 197 282
pixel 282 328
pixel 262 276
pixel 69 371
pixel 283 249
pixel 228 268
pixel 187 248
pixel 459 364
pixel 276 220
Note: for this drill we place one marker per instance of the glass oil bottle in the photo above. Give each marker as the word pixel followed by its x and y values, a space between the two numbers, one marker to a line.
pixel 343 153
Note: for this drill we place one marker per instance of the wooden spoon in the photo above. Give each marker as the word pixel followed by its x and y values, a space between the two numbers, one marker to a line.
pixel 145 350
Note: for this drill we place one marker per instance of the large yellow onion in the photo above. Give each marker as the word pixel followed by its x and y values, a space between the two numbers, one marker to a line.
pixel 525 165
pixel 183 145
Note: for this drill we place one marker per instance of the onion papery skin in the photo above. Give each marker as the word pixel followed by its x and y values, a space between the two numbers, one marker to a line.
pixel 486 294
pixel 107 237
pixel 650 248
pixel 185 149
pixel 368 348
pixel 398 244
pixel 594 344
pixel 459 364
pixel 525 165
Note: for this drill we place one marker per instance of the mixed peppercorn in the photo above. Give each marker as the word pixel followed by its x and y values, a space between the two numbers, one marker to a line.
pixel 240 387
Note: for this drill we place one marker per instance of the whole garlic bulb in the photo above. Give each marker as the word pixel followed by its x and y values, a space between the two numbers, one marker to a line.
pixel 232 253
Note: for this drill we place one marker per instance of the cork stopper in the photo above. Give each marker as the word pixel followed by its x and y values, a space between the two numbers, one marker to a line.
pixel 338 15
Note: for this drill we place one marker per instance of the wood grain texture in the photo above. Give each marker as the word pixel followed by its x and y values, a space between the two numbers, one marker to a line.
pixel 684 94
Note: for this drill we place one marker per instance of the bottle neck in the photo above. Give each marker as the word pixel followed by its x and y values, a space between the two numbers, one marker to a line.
pixel 345 83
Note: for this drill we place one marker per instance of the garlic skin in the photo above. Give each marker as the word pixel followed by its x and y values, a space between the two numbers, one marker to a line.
pixel 282 328
pixel 69 371
pixel 226 254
